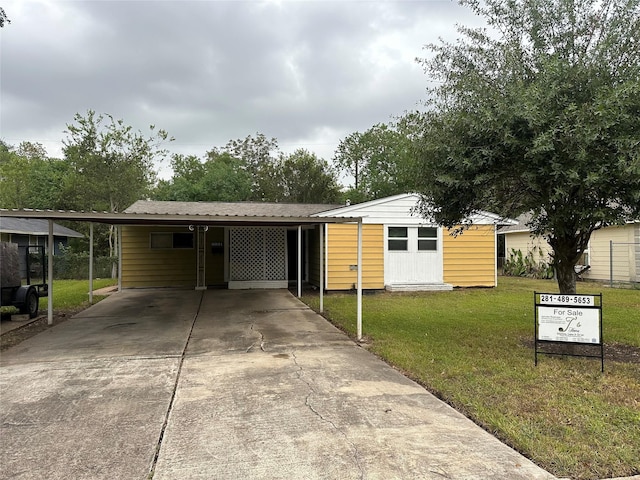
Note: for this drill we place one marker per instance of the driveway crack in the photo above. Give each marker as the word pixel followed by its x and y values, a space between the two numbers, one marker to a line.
pixel 307 402
pixel 254 343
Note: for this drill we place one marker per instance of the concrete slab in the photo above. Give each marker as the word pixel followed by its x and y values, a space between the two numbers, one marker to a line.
pixel 245 384
pixel 269 389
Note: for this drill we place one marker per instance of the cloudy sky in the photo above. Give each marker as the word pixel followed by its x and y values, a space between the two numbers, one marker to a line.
pixel 308 72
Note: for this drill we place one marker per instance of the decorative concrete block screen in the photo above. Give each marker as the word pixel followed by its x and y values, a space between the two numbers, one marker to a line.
pixel 257 254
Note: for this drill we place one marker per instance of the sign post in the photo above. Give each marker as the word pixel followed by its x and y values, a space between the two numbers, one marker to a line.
pixel 568 319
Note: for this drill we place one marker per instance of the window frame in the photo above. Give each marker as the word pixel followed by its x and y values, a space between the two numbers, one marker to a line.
pixel 178 241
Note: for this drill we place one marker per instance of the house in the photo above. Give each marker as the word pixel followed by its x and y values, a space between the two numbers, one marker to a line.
pixel 34 231
pixel 400 250
pixel 613 253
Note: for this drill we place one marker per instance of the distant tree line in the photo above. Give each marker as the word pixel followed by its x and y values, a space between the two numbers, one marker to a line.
pixel 107 165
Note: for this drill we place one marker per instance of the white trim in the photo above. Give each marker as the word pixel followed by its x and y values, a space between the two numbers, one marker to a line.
pixel 50 275
pixel 321 265
pixel 359 281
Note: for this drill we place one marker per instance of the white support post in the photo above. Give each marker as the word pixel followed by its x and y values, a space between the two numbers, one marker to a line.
pixel 50 275
pixel 359 294
pixel 299 261
pixel 119 228
pixel 91 263
pixel 321 265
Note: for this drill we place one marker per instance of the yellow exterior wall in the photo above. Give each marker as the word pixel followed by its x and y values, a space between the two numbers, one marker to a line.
pixel 469 259
pixel 342 251
pixel 146 267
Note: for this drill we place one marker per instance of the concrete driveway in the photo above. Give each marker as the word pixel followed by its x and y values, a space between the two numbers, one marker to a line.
pixel 179 384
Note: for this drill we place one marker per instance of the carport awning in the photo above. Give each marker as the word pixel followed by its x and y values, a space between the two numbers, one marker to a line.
pixel 195 213
pixel 129 218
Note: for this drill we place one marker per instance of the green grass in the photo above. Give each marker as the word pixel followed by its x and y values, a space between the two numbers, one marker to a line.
pixel 474 349
pixel 72 294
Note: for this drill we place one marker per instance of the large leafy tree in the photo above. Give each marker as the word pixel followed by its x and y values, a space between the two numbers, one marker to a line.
pixel 537 113
pixel 305 178
pixel 111 164
pixel 220 177
pixel 259 154
pixel 29 178
pixel 379 161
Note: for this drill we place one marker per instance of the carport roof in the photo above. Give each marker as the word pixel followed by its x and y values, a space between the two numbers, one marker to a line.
pixel 146 212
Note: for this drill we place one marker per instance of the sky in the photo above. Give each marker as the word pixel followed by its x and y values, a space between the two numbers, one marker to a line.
pixel 308 73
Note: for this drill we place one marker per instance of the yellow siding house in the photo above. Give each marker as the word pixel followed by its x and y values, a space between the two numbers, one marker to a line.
pixel 255 245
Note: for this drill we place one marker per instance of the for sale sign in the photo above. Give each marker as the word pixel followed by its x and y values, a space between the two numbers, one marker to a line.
pixel 569 324
pixel 562 319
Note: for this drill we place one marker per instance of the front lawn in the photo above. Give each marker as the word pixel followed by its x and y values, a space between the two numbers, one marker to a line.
pixel 474 349
pixel 73 294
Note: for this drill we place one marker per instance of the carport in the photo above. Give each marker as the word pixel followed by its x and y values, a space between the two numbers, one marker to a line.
pixel 197 223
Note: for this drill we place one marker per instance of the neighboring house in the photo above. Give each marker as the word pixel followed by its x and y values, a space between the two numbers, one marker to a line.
pixel 401 250
pixel 613 252
pixel 34 231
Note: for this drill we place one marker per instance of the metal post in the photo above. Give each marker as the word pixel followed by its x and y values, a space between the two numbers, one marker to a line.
pixel 321 265
pixel 359 276
pixel 119 230
pixel 91 263
pixel 299 261
pixel 611 263
pixel 50 275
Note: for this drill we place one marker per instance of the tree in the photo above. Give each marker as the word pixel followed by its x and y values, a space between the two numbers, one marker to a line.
pixel 28 178
pixel 539 113
pixel 379 160
pixel 259 155
pixel 305 178
pixel 220 178
pixel 111 165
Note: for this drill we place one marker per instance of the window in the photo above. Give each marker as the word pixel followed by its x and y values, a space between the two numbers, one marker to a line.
pixel 171 240
pixel 428 238
pixel 398 238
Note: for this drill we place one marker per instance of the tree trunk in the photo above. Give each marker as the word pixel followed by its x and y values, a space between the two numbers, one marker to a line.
pixel 565 257
pixel 566 275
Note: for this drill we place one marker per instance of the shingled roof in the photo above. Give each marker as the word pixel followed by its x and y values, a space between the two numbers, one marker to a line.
pixel 34 226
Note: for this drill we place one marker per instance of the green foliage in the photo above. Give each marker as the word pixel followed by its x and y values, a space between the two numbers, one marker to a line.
pixel 111 164
pixel 379 160
pixel 531 265
pixel 539 115
pixel 251 169
pixel 258 155
pixel 29 179
pixel 220 178
pixel 305 178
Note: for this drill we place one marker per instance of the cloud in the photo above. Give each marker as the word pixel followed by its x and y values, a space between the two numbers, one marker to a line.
pixel 305 72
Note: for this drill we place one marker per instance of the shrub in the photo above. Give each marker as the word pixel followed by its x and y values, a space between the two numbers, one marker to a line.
pixel 519 265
